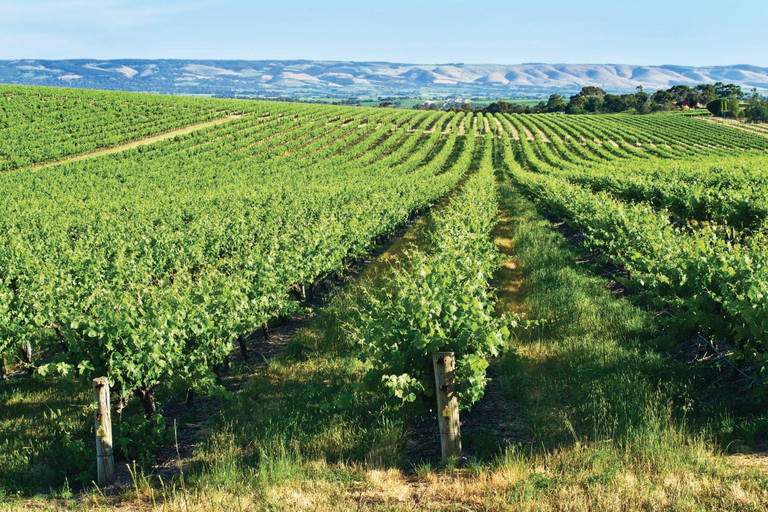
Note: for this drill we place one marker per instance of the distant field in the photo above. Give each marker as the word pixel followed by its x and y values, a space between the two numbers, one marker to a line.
pixel 265 294
pixel 409 103
pixel 406 103
pixel 519 101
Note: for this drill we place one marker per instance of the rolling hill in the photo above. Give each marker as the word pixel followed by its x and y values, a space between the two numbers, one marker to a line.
pixel 305 78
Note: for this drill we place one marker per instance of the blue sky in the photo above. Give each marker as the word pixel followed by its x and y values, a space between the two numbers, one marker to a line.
pixel 685 32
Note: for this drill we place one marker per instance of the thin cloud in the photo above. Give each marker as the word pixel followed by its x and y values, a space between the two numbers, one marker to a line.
pixel 109 14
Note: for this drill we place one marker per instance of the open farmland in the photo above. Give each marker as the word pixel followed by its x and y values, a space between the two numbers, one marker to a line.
pixel 595 277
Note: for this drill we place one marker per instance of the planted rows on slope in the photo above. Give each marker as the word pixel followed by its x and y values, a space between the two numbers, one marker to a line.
pixel 39 124
pixel 151 263
pixel 713 281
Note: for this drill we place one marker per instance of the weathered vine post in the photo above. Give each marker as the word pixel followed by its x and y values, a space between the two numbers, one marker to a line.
pixel 447 404
pixel 105 461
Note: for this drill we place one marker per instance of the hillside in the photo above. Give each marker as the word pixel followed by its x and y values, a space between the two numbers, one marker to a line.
pixel 284 300
pixel 377 79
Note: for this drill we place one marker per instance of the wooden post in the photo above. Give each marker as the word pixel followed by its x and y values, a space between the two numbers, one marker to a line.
pixel 447 404
pixel 105 461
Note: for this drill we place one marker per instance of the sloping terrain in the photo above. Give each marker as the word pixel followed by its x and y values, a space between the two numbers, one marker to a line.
pixel 344 79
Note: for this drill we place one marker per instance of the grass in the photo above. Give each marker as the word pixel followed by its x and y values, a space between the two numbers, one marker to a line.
pixel 42 425
pixel 610 422
pixel 606 421
pixel 47 443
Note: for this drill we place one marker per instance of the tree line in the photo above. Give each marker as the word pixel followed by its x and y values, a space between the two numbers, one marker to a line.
pixel 723 100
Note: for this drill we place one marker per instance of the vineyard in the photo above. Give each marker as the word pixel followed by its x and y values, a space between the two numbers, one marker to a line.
pixel 158 266
pixel 689 227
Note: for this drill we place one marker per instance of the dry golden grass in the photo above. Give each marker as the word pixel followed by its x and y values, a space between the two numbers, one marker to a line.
pixel 508 278
pixel 560 481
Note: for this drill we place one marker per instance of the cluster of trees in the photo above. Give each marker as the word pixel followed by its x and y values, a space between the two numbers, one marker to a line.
pixel 729 101
pixel 756 109
pixel 720 99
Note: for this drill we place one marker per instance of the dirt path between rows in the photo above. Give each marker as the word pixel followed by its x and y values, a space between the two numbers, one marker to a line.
pixel 140 142
pixel 527 131
pixel 755 129
pixel 512 130
pixel 499 127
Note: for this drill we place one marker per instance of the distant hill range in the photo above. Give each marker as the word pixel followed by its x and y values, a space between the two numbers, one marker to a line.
pixel 301 79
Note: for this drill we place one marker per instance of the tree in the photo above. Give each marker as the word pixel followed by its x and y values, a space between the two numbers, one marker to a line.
pixel 539 107
pixel 616 103
pixel 727 91
pixel 641 101
pixel 644 107
pixel 500 107
pixel 679 92
pixel 734 106
pixel 706 93
pixel 556 103
pixel 757 107
pixel 692 99
pixel 717 107
pixel 759 113
pixel 662 97
pixel 595 103
pixel 575 108
pixel 577 105
pixel 591 91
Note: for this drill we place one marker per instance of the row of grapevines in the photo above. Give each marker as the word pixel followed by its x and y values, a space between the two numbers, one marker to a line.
pixel 716 186
pixel 43 124
pixel 153 262
pixel 626 136
pixel 710 285
pixel 685 130
pixel 439 300
pixel 726 190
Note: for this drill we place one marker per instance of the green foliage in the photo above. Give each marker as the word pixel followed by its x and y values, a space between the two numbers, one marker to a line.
pixel 68 446
pixel 556 103
pixel 440 301
pixel 734 107
pixel 596 100
pixel 151 262
pixel 757 108
pixel 718 107
pixel 709 268
pixel 42 124
pixel 137 438
pixel 46 435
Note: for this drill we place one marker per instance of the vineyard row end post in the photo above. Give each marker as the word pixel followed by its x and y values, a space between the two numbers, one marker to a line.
pixel 105 462
pixel 444 364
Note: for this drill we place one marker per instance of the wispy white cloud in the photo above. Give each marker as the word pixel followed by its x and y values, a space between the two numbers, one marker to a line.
pixel 33 44
pixel 103 14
